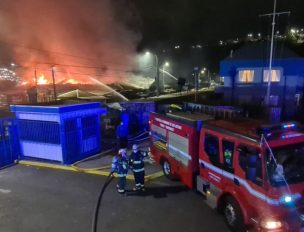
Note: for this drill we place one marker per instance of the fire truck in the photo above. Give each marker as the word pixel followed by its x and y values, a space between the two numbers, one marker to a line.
pixel 250 172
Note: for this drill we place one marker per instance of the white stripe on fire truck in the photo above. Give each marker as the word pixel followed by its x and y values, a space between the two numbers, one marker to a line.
pixel 243 182
pixel 180 152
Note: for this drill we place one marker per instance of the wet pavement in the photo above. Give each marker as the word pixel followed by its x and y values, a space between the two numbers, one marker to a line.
pixel 50 200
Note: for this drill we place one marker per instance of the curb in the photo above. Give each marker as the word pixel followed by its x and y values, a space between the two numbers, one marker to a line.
pixel 93 172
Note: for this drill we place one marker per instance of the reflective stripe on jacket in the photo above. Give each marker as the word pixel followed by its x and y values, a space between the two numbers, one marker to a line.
pixel 137 161
pixel 120 165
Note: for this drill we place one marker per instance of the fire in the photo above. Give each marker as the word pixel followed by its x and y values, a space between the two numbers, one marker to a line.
pixel 41 80
pixel 72 81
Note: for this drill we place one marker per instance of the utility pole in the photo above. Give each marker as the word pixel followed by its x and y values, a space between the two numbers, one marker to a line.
pixel 195 83
pixel 157 76
pixel 274 14
pixel 36 82
pixel 209 78
pixel 163 77
pixel 54 84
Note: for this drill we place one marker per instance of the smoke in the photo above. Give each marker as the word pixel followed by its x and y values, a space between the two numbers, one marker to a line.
pixel 75 35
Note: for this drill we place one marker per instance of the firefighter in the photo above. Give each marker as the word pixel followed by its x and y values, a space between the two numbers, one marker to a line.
pixel 137 165
pixel 120 166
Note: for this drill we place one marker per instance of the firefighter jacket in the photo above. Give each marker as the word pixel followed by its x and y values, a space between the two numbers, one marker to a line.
pixel 137 161
pixel 120 165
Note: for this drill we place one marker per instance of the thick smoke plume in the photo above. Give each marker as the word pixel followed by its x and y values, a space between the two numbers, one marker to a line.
pixel 81 33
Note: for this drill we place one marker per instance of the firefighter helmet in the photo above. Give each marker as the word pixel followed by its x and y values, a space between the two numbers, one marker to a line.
pixel 122 151
pixel 135 146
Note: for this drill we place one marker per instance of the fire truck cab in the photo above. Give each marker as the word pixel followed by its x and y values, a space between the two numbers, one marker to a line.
pixel 251 172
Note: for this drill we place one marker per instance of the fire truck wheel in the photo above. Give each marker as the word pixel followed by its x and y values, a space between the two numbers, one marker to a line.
pixel 167 169
pixel 233 215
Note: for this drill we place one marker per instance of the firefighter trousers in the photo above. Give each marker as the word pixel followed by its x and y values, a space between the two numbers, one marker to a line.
pixel 139 179
pixel 121 184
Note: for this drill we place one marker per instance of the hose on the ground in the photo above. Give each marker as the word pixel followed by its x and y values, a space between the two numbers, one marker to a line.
pixel 97 206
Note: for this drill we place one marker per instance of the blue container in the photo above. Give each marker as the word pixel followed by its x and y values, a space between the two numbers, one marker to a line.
pixel 65 133
pixel 136 115
pixel 9 151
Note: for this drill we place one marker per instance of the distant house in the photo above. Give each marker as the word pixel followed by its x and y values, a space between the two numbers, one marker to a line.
pixel 246 73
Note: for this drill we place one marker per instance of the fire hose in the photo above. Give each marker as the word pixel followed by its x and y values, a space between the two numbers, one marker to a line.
pixel 98 203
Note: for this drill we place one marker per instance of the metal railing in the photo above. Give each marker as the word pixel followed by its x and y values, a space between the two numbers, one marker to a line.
pixel 223 112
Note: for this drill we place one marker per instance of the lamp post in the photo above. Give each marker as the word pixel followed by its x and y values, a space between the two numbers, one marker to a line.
pixel 166 64
pixel 203 71
pixel 54 84
pixel 196 73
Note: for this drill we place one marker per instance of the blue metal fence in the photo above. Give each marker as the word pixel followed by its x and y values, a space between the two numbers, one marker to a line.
pixel 9 146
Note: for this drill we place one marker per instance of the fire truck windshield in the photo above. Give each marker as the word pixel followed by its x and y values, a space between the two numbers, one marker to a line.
pixel 287 165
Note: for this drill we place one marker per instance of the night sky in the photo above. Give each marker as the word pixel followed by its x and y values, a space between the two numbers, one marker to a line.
pixel 112 33
pixel 198 21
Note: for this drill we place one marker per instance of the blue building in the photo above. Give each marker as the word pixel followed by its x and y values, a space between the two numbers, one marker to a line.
pixel 64 133
pixel 246 73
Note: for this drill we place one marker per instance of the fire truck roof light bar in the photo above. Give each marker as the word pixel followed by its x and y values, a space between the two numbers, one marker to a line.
pixel 268 129
pixel 289 125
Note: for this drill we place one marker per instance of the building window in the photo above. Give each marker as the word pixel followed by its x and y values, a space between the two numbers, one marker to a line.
pixel 275 75
pixel 246 76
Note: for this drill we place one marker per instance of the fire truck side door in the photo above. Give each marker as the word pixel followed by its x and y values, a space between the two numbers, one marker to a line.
pixel 213 166
pixel 249 174
pixel 228 153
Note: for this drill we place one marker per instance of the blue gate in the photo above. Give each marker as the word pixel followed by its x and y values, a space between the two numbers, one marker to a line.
pixel 9 146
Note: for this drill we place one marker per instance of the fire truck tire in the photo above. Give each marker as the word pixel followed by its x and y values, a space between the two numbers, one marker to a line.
pixel 233 215
pixel 167 169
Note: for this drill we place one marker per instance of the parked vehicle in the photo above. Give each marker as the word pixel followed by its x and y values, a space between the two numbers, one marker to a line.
pixel 251 172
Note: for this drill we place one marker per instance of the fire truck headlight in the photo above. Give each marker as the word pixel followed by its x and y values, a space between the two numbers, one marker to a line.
pixel 287 199
pixel 271 224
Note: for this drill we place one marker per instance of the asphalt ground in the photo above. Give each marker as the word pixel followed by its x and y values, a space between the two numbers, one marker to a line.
pixel 49 200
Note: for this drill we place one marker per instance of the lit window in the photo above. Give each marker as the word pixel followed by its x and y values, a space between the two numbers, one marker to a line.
pixel 275 75
pixel 246 76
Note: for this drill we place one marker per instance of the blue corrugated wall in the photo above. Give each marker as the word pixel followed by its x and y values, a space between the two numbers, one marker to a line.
pixel 9 146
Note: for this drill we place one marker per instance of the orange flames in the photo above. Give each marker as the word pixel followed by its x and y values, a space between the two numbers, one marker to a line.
pixel 72 81
pixel 41 80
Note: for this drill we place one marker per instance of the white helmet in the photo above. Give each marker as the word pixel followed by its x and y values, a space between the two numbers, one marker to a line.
pixel 122 151
pixel 135 146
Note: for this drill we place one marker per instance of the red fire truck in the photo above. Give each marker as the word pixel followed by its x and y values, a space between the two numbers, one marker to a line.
pixel 252 173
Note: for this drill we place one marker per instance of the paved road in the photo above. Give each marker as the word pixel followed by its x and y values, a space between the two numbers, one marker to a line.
pixel 48 200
